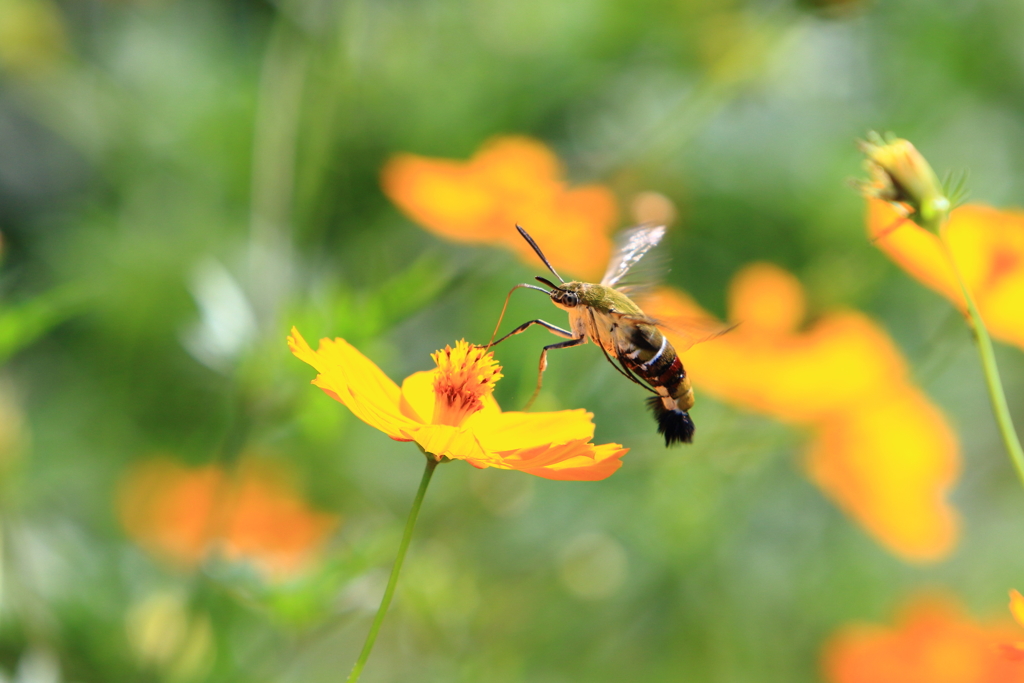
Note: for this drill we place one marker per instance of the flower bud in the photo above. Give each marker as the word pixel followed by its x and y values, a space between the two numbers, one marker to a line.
pixel 900 174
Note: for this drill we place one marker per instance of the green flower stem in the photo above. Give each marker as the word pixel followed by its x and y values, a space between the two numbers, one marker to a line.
pixel 988 364
pixel 389 592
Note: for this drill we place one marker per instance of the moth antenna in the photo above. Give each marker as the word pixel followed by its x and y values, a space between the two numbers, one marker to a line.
pixel 540 253
pixel 548 282
pixel 505 306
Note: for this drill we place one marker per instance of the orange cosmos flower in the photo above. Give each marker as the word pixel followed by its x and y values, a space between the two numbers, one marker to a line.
pixel 509 180
pixel 880 449
pixel 932 642
pixel 988 247
pixel 451 412
pixel 182 514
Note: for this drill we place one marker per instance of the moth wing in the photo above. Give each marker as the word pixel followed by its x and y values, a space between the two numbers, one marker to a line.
pixel 633 244
pixel 687 332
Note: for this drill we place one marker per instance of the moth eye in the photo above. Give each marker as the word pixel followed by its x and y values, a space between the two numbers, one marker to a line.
pixel 572 299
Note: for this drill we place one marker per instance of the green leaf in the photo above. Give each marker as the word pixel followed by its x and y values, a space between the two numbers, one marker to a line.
pixel 24 322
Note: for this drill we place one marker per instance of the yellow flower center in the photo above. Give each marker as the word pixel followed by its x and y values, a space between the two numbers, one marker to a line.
pixel 464 376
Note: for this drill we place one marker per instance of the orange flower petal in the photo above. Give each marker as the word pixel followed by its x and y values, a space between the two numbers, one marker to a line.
pixel 599 463
pixel 916 250
pixel 456 443
pixel 882 452
pixel 573 231
pixel 514 163
pixel 988 245
pixel 766 300
pixel 351 378
pixel 266 521
pixel 932 642
pixel 509 181
pixel 441 196
pixel 1013 651
pixel 889 463
pixel 170 509
pixel 573 461
pixel 181 514
pixel 973 234
pixel 1017 606
pixel 515 430
pixel 417 402
pixel 842 360
pixel 1004 309
pixel 469 201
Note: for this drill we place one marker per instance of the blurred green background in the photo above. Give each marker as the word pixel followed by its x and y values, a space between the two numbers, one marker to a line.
pixel 182 181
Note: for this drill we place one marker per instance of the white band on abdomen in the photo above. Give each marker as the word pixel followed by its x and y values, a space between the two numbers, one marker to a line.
pixel 664 342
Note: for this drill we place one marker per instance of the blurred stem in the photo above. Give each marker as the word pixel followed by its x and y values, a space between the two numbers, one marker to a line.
pixel 988 364
pixel 389 592
pixel 274 157
pixel 278 112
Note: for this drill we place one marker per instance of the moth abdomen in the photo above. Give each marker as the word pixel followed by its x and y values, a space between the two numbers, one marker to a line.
pixel 674 424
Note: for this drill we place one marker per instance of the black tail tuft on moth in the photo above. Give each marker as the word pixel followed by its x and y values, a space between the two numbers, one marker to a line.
pixel 675 425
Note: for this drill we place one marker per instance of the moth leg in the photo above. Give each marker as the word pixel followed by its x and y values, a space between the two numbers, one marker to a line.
pixel 625 371
pixel 544 363
pixel 621 366
pixel 553 329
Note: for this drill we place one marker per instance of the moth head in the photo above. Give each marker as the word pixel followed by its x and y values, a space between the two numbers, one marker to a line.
pixel 565 295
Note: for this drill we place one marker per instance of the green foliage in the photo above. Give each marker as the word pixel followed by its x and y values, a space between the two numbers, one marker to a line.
pixel 23 323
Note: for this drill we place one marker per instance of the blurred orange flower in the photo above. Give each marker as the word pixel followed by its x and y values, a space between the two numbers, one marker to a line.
pixel 509 180
pixel 1015 650
pixel 880 449
pixel 451 412
pixel 182 514
pixel 932 642
pixel 988 247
